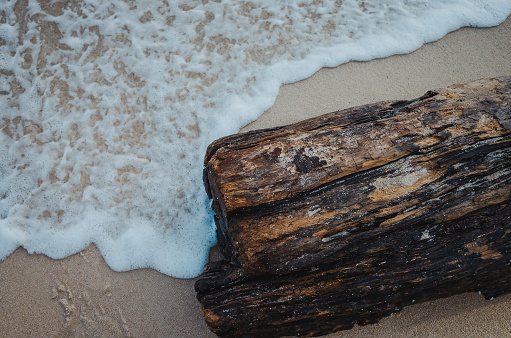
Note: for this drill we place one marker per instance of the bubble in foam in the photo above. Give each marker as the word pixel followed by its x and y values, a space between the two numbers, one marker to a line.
pixel 119 103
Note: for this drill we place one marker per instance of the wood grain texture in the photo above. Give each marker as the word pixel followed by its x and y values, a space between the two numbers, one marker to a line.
pixel 288 197
pixel 347 217
pixel 371 281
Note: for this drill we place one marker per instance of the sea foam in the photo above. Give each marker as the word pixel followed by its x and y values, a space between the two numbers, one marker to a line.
pixel 107 107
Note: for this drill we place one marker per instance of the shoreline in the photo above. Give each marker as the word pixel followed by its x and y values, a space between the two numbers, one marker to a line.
pixel 81 296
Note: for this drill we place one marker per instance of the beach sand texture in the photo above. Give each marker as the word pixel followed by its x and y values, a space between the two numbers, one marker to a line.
pixel 80 296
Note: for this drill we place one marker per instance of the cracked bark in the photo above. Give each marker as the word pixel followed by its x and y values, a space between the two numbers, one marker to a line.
pixel 348 217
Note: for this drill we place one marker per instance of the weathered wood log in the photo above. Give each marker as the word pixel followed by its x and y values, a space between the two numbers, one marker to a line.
pixel 345 218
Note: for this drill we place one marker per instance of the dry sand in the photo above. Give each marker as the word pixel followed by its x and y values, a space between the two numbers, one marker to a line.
pixel 81 296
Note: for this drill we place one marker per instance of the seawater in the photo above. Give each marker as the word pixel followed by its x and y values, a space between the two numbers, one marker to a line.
pixel 107 107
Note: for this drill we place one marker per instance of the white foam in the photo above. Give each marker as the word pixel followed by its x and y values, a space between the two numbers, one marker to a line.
pixel 104 141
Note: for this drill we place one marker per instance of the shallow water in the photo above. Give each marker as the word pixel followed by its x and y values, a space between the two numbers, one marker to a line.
pixel 106 109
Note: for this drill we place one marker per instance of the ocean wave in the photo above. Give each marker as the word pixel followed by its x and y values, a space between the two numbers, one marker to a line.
pixel 107 107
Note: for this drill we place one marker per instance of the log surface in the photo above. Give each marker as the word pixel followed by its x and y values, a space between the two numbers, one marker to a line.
pixel 347 217
pixel 287 197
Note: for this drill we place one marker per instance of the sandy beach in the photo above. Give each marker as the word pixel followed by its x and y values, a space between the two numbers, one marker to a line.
pixel 80 296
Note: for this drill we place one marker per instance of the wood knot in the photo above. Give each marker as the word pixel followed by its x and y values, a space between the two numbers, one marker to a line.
pixel 305 163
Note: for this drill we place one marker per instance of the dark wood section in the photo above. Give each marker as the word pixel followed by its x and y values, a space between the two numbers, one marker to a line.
pixel 347 217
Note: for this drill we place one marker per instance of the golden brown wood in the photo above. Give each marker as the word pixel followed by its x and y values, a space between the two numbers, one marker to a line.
pixel 272 189
pixel 349 216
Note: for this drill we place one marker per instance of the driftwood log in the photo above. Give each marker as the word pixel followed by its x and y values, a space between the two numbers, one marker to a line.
pixel 348 217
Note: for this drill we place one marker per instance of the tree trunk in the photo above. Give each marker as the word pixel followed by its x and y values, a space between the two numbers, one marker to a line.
pixel 347 217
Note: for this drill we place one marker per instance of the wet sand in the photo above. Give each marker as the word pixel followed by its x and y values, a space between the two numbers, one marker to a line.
pixel 80 296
